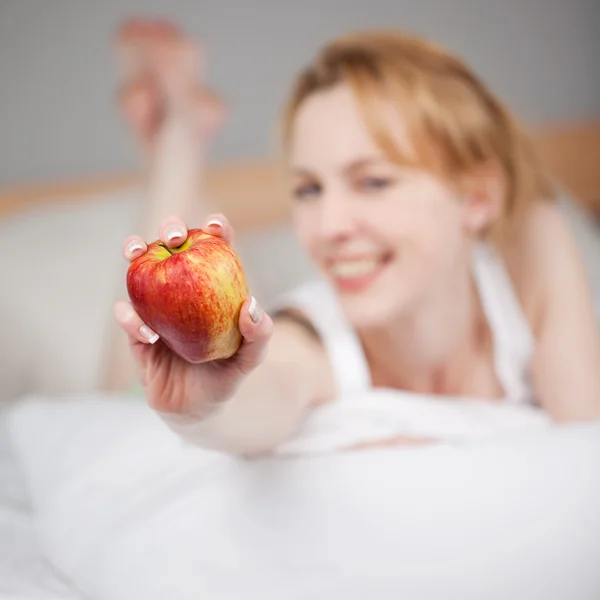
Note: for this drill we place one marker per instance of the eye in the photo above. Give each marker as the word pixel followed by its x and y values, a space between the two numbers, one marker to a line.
pixel 307 191
pixel 373 184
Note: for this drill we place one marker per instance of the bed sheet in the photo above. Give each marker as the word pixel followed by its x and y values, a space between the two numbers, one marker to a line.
pixel 24 573
pixel 511 511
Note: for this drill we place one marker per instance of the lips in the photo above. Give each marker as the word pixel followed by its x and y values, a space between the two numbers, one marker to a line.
pixel 354 268
pixel 357 273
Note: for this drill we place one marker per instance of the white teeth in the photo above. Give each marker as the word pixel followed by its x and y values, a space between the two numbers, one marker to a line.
pixel 351 269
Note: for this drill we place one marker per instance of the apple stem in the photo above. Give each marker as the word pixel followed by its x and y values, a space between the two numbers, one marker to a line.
pixel 163 245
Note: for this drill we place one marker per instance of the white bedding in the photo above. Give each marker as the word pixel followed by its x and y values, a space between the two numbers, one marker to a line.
pixel 128 511
pixel 45 461
pixel 24 572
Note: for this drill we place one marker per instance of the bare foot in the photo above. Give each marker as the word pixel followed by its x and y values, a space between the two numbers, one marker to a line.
pixel 162 69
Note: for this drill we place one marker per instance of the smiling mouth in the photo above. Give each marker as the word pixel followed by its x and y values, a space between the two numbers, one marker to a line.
pixel 352 275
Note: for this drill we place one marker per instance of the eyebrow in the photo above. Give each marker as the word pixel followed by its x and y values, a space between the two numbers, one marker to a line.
pixel 355 165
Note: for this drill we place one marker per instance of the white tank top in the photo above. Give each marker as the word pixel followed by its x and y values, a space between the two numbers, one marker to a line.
pixel 512 338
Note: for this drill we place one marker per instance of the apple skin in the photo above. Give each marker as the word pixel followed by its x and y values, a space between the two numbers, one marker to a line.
pixel 191 295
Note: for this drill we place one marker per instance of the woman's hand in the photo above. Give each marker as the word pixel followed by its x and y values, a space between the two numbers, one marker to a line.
pixel 172 385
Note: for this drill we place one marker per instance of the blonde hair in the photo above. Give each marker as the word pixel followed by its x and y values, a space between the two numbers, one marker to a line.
pixel 454 122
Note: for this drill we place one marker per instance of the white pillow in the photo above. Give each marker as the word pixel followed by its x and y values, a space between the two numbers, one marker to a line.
pixel 60 282
pixel 60 287
pixel 126 510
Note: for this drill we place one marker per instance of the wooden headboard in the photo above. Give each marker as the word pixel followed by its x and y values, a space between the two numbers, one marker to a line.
pixel 572 153
pixel 252 193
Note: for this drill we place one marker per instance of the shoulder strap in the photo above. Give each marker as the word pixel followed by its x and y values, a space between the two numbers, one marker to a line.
pixel 321 307
pixel 513 341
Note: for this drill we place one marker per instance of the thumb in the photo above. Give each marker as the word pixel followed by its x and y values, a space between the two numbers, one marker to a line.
pixel 256 328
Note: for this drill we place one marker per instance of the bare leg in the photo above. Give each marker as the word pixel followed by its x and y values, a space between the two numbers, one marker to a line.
pixel 173 117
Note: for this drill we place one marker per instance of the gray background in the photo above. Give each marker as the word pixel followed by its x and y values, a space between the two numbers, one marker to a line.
pixel 58 118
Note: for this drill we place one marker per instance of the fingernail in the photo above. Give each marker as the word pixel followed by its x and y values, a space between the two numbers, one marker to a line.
pixel 134 247
pixel 148 334
pixel 255 310
pixel 214 223
pixel 174 233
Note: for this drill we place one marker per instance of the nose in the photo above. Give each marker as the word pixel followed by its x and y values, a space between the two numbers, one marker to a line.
pixel 335 219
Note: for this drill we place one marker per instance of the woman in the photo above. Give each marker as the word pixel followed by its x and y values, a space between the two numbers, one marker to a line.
pixel 447 269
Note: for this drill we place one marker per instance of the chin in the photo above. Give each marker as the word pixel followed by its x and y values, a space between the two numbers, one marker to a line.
pixel 375 305
pixel 371 311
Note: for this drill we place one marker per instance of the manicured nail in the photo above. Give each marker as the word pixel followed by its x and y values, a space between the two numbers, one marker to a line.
pixel 255 310
pixel 214 223
pixel 174 233
pixel 133 247
pixel 148 334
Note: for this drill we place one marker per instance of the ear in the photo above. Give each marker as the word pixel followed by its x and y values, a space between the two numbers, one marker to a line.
pixel 483 200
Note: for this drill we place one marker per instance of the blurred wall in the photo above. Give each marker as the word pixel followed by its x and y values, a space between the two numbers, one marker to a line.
pixel 57 72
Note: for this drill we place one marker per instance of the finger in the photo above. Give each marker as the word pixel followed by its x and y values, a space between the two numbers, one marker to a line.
pixel 131 323
pixel 133 247
pixel 218 224
pixel 256 328
pixel 173 231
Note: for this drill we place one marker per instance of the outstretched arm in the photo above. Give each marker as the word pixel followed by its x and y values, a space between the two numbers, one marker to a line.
pixel 245 404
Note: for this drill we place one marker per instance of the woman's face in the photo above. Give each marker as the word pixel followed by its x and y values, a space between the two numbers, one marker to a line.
pixel 387 237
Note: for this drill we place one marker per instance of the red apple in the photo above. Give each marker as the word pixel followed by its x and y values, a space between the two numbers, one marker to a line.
pixel 191 295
